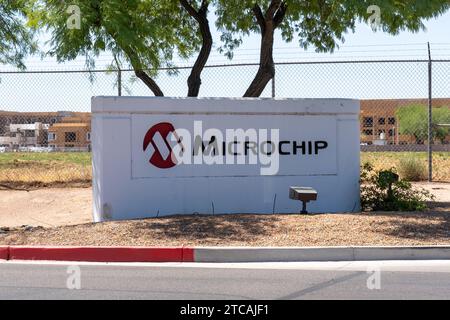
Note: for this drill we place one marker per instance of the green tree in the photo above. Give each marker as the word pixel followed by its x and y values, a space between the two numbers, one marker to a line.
pixel 413 120
pixel 147 33
pixel 16 40
pixel 318 23
pixel 144 33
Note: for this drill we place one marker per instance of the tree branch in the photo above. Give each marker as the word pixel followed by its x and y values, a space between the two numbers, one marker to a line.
pixel 204 7
pixel 137 67
pixel 279 15
pixel 273 7
pixel 259 17
pixel 141 74
pixel 190 9
pixel 149 82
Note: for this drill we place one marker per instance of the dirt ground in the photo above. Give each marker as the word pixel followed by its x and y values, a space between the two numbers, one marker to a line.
pixel 440 190
pixel 63 217
pixel 45 207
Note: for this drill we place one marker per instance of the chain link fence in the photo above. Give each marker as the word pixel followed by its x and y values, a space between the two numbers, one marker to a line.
pixel 45 120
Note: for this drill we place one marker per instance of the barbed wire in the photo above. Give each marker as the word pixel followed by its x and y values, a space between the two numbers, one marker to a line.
pixel 222 65
pixel 251 55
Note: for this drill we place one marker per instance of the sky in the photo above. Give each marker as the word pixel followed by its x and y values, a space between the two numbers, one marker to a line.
pixel 72 91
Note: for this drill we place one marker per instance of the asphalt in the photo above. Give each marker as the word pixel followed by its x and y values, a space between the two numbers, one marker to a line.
pixel 318 280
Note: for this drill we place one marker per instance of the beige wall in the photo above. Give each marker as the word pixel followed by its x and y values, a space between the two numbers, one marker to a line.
pixel 64 135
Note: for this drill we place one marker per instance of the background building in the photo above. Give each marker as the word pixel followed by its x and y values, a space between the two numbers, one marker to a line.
pixel 66 131
pixel 379 118
pixel 24 135
pixel 75 136
pixel 71 131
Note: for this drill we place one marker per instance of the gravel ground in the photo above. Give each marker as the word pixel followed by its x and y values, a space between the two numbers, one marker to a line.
pixel 62 216
pixel 427 228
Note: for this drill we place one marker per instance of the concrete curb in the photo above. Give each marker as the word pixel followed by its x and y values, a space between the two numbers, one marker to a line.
pixel 222 254
pixel 299 254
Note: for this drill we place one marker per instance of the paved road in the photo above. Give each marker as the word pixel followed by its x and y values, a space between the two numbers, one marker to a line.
pixel 337 280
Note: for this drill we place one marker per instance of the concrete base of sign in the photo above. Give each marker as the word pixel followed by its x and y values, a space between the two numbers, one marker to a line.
pixel 134 175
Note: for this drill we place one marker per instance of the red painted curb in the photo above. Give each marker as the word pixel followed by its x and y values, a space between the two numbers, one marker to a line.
pixel 188 254
pixel 102 254
pixel 4 252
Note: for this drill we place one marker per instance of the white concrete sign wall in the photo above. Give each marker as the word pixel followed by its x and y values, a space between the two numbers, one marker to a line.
pixel 158 156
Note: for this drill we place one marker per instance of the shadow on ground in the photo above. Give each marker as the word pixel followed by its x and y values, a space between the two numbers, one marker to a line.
pixel 426 226
pixel 214 227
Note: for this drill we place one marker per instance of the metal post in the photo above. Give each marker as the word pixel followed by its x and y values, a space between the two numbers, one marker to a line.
pixel 397 132
pixel 304 211
pixel 430 118
pixel 119 82
pixel 273 87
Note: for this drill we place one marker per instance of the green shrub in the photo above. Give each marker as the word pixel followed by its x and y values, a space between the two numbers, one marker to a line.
pixel 412 169
pixel 384 191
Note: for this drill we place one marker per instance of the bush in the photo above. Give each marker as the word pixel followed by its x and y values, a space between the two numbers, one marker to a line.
pixel 384 191
pixel 412 169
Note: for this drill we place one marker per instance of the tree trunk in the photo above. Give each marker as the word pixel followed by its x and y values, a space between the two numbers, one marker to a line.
pixel 201 16
pixel 137 67
pixel 266 69
pixel 149 82
pixel 141 74
pixel 194 80
pixel 268 22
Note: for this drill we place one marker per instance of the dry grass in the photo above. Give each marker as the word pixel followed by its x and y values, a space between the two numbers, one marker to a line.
pixel 412 169
pixel 49 176
pixel 430 228
pixel 387 160
pixel 26 170
pixel 45 169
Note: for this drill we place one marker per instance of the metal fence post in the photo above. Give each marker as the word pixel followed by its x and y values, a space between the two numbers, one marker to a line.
pixel 430 118
pixel 119 82
pixel 273 86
